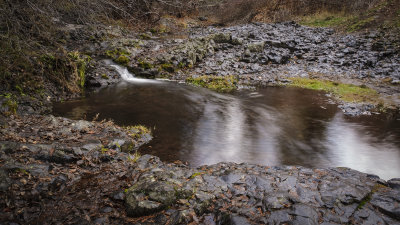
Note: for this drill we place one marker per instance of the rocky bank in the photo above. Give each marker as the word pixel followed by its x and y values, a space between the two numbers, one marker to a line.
pixel 60 171
pixel 264 55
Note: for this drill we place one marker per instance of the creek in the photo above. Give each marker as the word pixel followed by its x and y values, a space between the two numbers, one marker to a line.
pixel 267 126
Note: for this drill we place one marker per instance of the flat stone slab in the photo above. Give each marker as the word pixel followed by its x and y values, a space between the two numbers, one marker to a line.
pixel 252 194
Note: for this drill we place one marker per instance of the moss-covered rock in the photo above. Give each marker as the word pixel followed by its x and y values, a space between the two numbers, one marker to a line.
pixel 345 92
pixel 216 83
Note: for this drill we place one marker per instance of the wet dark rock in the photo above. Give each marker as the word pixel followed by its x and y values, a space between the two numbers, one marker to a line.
pixel 101 221
pixel 388 202
pixel 118 196
pixel 238 220
pixel 202 18
pixel 5 181
pixel 58 183
pixel 286 194
pixel 394 183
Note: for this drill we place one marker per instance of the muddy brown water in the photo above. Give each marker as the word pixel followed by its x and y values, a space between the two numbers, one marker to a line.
pixel 269 126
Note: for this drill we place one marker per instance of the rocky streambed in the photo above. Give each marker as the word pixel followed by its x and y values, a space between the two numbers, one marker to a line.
pixel 55 170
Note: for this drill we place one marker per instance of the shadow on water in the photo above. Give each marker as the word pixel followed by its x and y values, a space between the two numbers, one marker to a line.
pixel 270 126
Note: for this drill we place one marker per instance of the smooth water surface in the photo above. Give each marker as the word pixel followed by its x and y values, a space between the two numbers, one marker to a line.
pixel 270 126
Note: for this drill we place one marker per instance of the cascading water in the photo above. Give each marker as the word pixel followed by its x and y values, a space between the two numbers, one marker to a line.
pixel 126 75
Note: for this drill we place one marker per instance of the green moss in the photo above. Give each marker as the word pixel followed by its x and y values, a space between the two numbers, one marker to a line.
pixel 325 20
pixel 119 56
pixel 359 24
pixel 196 174
pixel 216 83
pixel 123 60
pixel 137 131
pixel 21 170
pixel 145 65
pixel 103 150
pixel 144 36
pixel 81 62
pixel 115 53
pixel 167 67
pixel 345 92
pixel 159 29
pixel 181 65
pixel 368 197
pixel 19 89
pixel 104 76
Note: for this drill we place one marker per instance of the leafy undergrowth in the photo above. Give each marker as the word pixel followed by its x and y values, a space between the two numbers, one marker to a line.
pixel 344 92
pixel 216 83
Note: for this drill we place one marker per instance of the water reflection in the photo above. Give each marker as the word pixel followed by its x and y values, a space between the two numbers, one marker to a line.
pixel 350 146
pixel 272 126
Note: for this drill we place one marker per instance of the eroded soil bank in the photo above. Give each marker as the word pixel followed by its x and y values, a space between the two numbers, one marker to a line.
pixel 60 171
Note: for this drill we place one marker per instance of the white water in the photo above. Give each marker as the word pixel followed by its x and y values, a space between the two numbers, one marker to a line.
pixel 127 76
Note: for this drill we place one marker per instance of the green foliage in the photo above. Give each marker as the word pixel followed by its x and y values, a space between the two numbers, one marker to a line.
pixel 81 62
pixel 135 157
pixel 104 76
pixel 216 83
pixel 10 103
pixel 345 92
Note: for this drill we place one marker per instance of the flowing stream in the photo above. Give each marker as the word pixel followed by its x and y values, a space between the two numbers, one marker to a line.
pixel 270 126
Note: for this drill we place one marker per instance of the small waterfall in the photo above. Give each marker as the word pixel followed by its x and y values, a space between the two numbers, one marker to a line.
pixel 126 75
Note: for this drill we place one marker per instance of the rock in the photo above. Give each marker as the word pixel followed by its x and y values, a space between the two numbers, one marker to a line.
pixel 58 183
pixel 237 41
pixel 101 221
pixel 388 202
pixel 222 38
pixel 256 46
pixel 5 181
pixel 142 208
pixel 238 220
pixel 119 195
pixel 81 126
pixel 394 183
pixel 203 18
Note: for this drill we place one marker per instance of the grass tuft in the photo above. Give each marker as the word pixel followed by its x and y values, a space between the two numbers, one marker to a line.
pixel 325 19
pixel 345 92
pixel 216 83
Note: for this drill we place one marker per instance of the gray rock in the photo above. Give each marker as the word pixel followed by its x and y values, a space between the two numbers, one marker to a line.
pixel 394 183
pixel 388 202
pixel 82 126
pixel 256 46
